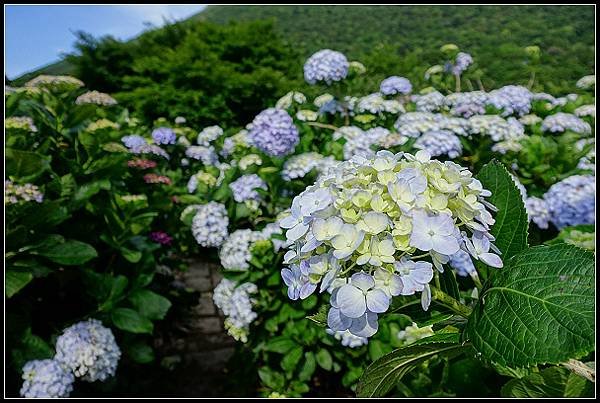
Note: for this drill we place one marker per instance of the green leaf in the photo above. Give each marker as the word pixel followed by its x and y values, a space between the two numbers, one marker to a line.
pixel 25 165
pixel 550 382
pixel 320 318
pixel 510 228
pixel 69 253
pixel 538 309
pixel 270 378
pixel 290 360
pixel 448 283
pixel 132 256
pixel 130 321
pixel 324 359
pixel 150 305
pixel 309 365
pixel 281 344
pixel 14 281
pixel 376 350
pixel 141 353
pixel 87 190
pixel 383 375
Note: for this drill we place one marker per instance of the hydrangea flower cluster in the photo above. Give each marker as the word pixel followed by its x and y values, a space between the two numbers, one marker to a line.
pixel 496 127
pixel 355 230
pixel 46 378
pixel 586 82
pixel 430 102
pixel 249 160
pixel 298 166
pixel 236 303
pixel 463 60
pixel 46 81
pixel 244 188
pixel 326 65
pixel 440 142
pixel 376 104
pixel 560 122
pixel 361 145
pixel 467 104
pixel 138 145
pixel 141 164
pixel 13 194
pixel 207 155
pixel 288 99
pixel 586 110
pixel 157 179
pixel 209 225
pixel 89 350
pixel 348 339
pixel 133 141
pixel 395 85
pixel 164 135
pixel 412 333
pixel 237 141
pixel 273 132
pixel 235 253
pixel 511 99
pixel 96 98
pixel 537 211
pixel 208 135
pixel 572 201
pixel 462 263
pixel 20 122
pixel 161 237
pixel 530 120
pixel 102 124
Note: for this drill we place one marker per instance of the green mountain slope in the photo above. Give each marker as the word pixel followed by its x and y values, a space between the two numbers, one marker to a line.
pixel 490 33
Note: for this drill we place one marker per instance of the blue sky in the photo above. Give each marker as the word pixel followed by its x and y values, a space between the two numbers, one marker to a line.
pixel 37 35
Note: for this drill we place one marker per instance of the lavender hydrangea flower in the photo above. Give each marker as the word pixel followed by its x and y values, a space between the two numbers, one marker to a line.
pixel 395 85
pixel 244 188
pixel 207 155
pixel 572 201
pixel 440 142
pixel 348 339
pixel 133 141
pixel 537 211
pixel 89 350
pixel 430 102
pixel 463 60
pixel 296 278
pixel 235 302
pixel 208 135
pixel 511 99
pixel 164 135
pixel 461 262
pixel 326 65
pixel 209 225
pixel 46 378
pixel 414 275
pixel 560 122
pixel 273 132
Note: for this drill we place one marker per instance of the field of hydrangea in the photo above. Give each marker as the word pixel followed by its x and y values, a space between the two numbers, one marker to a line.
pixel 408 242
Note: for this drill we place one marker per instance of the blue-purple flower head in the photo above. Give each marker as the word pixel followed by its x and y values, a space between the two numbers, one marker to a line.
pixel 572 201
pixel 244 188
pixel 463 61
pixel 273 132
pixel 164 135
pixel 511 99
pixel 326 65
pixel 395 85
pixel 89 350
pixel 440 142
pixel 46 378
pixel 133 141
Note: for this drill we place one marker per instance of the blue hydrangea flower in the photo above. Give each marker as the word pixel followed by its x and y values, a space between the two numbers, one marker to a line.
pixel 463 60
pixel 164 135
pixel 430 102
pixel 537 211
pixel 207 155
pixel 244 188
pixel 296 278
pixel 511 99
pixel 236 303
pixel 560 122
pixel 46 378
pixel 348 339
pixel 89 350
pixel 209 225
pixel 133 141
pixel 461 262
pixel 440 142
pixel 273 132
pixel 326 65
pixel 395 85
pixel 572 201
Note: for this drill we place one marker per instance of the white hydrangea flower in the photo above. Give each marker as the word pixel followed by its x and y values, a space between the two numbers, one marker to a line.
pixel 209 225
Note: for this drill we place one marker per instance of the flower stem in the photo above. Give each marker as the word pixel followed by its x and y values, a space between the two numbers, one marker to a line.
pixel 323 125
pixel 580 369
pixel 449 302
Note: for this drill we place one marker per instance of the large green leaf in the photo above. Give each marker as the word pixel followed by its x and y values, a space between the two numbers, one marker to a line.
pixel 383 375
pixel 14 281
pixel 550 382
pixel 69 253
pixel 149 304
pixel 510 228
pixel 130 321
pixel 25 165
pixel 538 309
